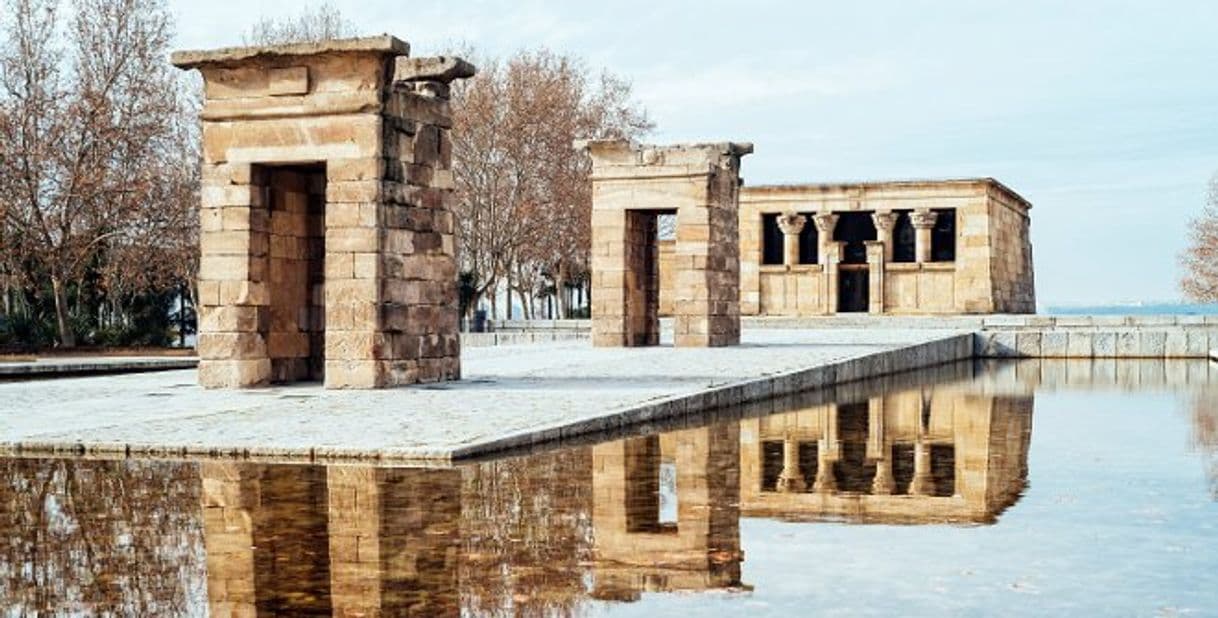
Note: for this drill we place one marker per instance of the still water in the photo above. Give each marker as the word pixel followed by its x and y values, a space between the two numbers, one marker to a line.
pixel 1031 488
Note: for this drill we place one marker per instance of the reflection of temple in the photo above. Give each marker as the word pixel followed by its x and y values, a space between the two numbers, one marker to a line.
pixel 916 456
pixel 645 542
pixel 347 541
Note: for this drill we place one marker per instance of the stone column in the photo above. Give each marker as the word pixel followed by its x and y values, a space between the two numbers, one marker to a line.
pixel 875 275
pixel 923 221
pixel 828 254
pixel 791 225
pixel 883 484
pixel 825 223
pixel 923 484
pixel 791 480
pixel 827 451
pixel 885 222
pixel 825 482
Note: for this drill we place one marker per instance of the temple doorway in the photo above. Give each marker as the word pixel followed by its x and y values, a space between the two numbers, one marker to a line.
pixel 853 288
pixel 643 276
pixel 295 250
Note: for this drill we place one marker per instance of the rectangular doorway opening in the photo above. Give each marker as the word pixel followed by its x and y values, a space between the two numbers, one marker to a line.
pixel 294 328
pixel 643 275
pixel 853 288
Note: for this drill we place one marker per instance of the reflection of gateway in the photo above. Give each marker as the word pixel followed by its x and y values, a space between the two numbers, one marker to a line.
pixel 642 544
pixel 912 457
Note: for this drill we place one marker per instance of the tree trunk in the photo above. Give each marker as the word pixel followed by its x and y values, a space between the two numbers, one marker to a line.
pixel 508 289
pixel 67 338
pixel 560 290
pixel 494 294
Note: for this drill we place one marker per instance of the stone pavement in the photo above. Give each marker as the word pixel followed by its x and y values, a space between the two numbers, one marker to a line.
pixel 512 396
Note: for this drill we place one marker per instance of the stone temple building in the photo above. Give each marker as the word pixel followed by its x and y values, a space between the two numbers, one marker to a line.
pixel 920 247
pixel 903 248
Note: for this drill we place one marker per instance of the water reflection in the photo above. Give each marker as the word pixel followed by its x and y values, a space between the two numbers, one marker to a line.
pixel 552 533
pixel 914 456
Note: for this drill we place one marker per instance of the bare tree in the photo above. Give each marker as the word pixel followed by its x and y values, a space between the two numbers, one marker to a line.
pixel 312 24
pixel 1200 259
pixel 524 212
pixel 87 109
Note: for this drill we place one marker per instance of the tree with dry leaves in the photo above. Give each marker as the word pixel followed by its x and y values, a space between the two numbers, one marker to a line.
pixel 1200 259
pixel 524 209
pixel 91 151
pixel 312 24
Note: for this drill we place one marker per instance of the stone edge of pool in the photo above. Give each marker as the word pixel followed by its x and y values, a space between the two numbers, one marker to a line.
pixel 946 349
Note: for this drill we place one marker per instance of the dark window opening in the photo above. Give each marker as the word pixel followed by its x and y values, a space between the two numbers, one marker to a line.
pixel 854 229
pixel 771 240
pixel 771 464
pixel 943 236
pixel 809 241
pixel 943 469
pixel 902 467
pixel 809 461
pixel 904 239
pixel 853 472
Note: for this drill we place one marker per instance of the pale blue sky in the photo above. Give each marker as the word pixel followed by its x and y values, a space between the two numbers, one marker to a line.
pixel 1103 114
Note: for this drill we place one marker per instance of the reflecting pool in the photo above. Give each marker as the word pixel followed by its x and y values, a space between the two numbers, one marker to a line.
pixel 1029 488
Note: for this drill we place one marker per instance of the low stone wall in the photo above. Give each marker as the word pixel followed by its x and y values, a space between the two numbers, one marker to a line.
pixel 1100 337
pixel 1038 336
pixel 535 326
pixel 520 337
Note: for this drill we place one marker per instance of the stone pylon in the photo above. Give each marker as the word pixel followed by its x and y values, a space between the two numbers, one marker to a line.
pixel 631 186
pixel 327 231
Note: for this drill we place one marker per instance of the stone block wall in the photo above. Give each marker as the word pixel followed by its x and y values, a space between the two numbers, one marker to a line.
pixel 1011 258
pixel 327 231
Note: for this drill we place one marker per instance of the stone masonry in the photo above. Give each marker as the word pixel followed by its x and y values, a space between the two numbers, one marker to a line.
pixel 327 231
pixel 631 186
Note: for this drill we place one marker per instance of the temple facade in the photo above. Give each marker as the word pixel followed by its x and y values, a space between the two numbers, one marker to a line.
pixel 917 247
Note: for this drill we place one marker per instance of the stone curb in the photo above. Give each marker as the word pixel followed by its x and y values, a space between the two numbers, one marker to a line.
pixel 52 368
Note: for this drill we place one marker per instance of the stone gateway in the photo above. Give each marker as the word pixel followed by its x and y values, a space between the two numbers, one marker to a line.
pixel 632 186
pixel 326 227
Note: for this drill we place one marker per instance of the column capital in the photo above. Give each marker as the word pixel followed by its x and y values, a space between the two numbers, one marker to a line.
pixel 825 222
pixel 923 219
pixel 791 222
pixel 885 220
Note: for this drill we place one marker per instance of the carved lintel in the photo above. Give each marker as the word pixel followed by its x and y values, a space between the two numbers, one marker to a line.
pixel 442 69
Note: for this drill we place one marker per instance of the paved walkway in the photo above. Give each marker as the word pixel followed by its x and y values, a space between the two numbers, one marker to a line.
pixel 508 390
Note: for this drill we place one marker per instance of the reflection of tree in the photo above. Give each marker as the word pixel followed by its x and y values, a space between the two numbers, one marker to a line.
pixel 94 537
pixel 1205 434
pixel 526 534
